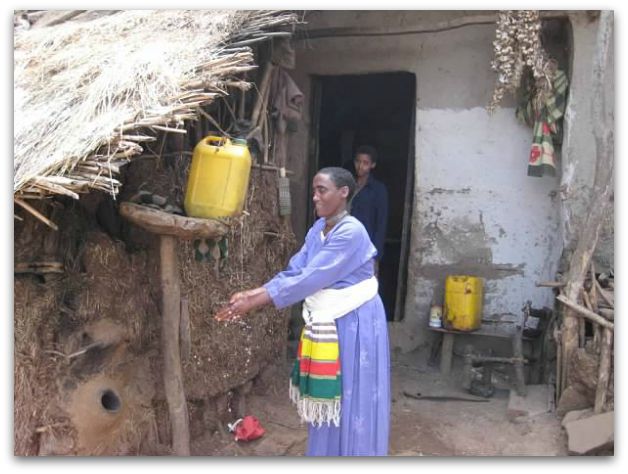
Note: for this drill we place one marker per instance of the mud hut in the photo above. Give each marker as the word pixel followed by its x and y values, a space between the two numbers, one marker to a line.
pixel 108 108
pixel 416 85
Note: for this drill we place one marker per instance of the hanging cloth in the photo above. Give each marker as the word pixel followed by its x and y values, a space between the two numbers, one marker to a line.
pixel 543 110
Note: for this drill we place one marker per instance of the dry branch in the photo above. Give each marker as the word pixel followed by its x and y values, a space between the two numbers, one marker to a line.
pixel 80 352
pixel 606 295
pixel 604 371
pixel 262 95
pixel 36 213
pixel 551 284
pixel 607 313
pixel 585 313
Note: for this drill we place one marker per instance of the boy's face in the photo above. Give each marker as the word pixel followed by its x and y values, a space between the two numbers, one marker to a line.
pixel 363 164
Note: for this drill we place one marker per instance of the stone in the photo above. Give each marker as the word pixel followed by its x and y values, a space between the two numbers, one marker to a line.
pixel 576 415
pixel 591 435
pixel 583 372
pixel 159 200
pixel 572 399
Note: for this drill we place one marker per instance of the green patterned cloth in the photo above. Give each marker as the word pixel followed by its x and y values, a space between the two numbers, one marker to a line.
pixel 544 116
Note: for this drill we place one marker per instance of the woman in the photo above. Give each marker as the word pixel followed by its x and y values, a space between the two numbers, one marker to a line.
pixel 341 380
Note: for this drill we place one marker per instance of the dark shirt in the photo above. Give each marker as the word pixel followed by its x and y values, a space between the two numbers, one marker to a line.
pixel 370 206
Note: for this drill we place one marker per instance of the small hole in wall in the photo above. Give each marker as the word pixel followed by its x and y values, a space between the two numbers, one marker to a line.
pixel 110 401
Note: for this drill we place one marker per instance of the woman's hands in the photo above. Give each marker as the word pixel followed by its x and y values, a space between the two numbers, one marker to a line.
pixel 241 303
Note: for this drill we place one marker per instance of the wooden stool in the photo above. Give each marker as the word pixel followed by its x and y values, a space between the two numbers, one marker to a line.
pixel 517 360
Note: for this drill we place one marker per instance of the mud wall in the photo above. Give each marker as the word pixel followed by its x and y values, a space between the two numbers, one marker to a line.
pixel 87 341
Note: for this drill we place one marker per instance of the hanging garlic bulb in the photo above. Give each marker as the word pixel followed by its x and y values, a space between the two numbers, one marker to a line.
pixel 517 45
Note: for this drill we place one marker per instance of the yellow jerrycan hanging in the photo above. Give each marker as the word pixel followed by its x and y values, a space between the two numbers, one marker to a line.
pixel 218 179
pixel 463 302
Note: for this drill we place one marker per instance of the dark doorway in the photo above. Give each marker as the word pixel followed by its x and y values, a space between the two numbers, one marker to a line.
pixel 376 110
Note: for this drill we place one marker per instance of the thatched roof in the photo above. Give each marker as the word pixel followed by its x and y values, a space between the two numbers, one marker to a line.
pixel 91 89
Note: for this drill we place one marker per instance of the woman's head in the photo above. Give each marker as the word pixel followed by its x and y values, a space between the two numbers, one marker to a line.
pixel 333 188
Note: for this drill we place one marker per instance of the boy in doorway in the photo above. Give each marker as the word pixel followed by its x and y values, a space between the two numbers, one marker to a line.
pixel 370 203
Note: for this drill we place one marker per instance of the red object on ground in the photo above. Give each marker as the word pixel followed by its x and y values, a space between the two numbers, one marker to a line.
pixel 247 429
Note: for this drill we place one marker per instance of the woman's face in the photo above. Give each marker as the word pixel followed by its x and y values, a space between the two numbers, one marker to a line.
pixel 328 199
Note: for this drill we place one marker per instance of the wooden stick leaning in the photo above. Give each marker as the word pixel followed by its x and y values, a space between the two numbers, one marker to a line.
pixel 585 313
pixel 591 303
pixel 582 323
pixel 551 284
pixel 607 296
pixel 36 213
pixel 604 371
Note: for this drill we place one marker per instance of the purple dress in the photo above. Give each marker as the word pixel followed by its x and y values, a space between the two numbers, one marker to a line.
pixel 343 258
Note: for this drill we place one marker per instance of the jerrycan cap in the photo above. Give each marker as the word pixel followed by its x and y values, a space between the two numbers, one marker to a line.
pixel 239 141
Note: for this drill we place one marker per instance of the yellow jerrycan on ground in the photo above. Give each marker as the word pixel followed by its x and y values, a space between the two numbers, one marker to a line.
pixel 218 179
pixel 463 302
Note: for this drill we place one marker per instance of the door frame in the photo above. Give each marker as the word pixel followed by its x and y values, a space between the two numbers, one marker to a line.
pixel 316 91
pixel 316 94
pixel 406 226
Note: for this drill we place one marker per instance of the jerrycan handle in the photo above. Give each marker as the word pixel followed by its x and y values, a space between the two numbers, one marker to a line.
pixel 216 141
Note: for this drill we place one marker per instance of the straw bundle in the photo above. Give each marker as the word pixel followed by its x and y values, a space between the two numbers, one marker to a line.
pixel 87 94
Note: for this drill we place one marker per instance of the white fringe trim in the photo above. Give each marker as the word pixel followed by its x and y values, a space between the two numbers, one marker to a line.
pixel 316 412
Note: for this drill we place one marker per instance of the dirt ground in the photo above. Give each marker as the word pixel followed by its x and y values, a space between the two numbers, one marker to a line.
pixel 418 427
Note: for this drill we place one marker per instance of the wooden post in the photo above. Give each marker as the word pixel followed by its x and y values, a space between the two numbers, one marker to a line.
pixel 467 376
pixel 171 227
pixel 559 362
pixel 446 353
pixel 601 192
pixel 604 371
pixel 242 104
pixel 173 375
pixel 517 353
pixel 597 338
pixel 262 95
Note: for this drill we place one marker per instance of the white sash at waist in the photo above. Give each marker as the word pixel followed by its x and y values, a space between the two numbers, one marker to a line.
pixel 328 305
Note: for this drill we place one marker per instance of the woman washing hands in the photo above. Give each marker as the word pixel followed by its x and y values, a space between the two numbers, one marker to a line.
pixel 341 379
pixel 243 302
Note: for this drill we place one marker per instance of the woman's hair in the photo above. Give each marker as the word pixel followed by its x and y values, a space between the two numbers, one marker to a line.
pixel 341 177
